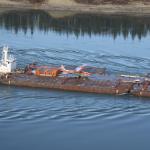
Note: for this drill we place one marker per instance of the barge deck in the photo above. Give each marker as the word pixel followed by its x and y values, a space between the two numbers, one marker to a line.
pixel 84 79
pixel 106 85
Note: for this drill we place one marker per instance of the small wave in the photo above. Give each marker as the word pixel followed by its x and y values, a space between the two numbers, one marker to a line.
pixel 69 106
pixel 100 58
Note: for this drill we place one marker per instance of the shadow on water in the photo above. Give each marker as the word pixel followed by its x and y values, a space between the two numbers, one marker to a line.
pixel 77 24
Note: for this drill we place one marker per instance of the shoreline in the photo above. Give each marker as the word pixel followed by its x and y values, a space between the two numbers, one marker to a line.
pixel 137 9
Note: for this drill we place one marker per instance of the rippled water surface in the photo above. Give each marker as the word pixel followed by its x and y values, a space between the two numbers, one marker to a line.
pixel 46 119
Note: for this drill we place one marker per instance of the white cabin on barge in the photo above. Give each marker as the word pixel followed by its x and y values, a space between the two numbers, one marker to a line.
pixel 8 62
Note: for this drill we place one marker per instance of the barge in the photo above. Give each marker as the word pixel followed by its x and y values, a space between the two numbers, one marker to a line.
pixel 81 79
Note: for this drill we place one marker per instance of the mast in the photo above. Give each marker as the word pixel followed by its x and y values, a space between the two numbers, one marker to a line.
pixel 5 55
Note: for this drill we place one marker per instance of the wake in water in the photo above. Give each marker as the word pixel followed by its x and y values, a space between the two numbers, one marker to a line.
pixel 31 106
pixel 70 57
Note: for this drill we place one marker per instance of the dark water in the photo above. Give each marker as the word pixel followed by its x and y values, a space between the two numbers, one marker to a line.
pixel 46 119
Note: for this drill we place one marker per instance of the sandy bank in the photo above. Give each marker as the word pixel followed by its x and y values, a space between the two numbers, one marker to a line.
pixel 70 5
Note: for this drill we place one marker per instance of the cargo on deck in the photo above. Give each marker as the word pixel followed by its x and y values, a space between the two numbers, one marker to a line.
pixel 81 79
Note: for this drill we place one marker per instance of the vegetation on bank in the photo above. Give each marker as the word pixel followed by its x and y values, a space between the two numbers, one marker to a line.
pixel 36 1
pixel 31 1
pixel 109 1
pixel 94 1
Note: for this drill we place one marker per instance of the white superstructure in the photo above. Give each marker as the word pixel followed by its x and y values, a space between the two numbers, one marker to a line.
pixel 8 62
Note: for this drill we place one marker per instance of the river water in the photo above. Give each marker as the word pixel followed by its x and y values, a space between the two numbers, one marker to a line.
pixel 52 120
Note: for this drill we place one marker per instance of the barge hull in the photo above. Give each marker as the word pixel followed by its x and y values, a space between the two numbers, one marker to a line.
pixel 68 84
pixel 83 84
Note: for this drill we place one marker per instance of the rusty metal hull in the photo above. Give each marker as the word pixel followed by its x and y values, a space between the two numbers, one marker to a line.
pixel 69 84
pixel 141 89
pixel 141 93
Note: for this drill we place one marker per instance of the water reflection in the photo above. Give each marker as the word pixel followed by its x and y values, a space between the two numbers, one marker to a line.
pixel 77 24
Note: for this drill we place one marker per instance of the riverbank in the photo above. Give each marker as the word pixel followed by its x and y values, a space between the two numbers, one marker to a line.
pixel 135 8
